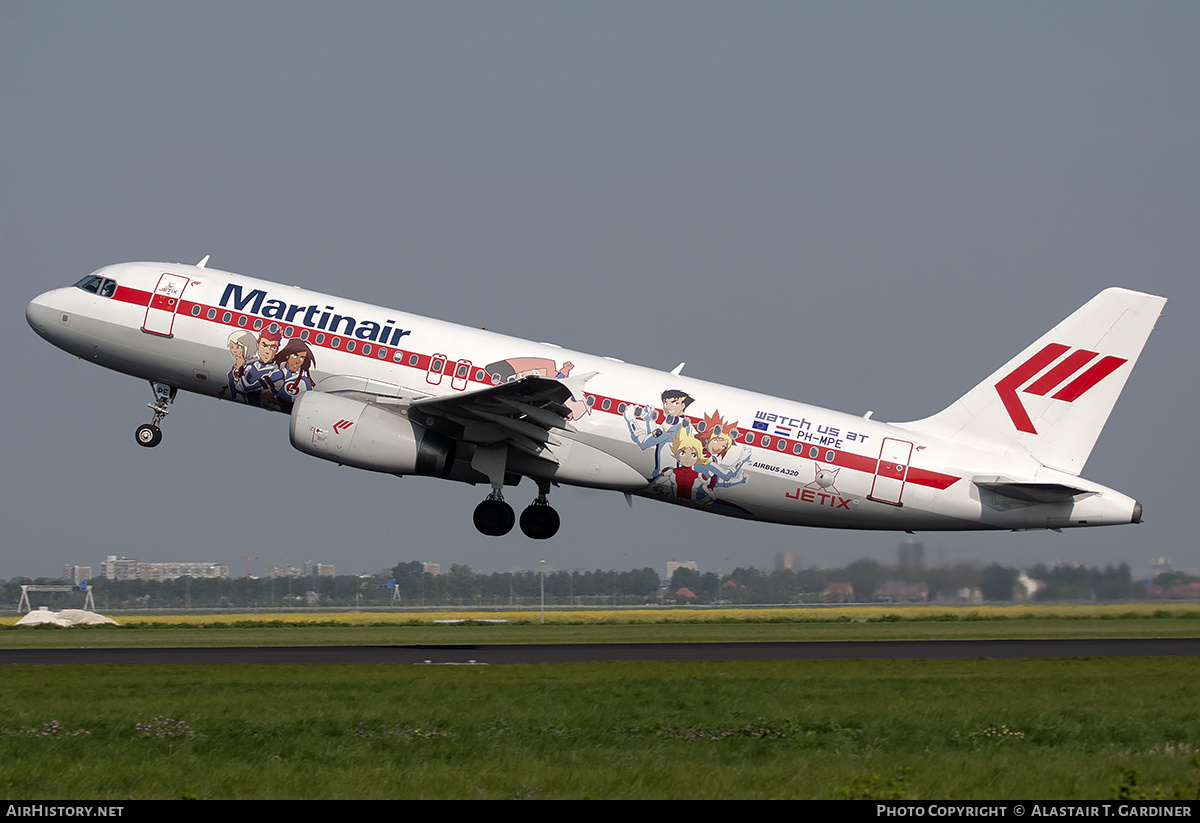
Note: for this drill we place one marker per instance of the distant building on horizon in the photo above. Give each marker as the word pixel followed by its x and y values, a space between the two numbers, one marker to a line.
pixel 672 565
pixel 911 555
pixel 312 569
pixel 76 574
pixel 119 568
pixel 130 568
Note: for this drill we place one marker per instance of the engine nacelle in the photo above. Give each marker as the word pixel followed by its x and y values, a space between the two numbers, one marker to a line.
pixel 367 437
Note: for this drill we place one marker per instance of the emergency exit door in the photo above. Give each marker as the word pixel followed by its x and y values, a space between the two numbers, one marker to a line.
pixel 891 471
pixel 164 303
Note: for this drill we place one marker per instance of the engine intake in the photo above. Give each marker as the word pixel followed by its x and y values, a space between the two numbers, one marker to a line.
pixel 359 434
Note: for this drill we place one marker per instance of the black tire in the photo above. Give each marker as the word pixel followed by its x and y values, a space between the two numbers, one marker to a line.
pixel 539 522
pixel 148 435
pixel 494 518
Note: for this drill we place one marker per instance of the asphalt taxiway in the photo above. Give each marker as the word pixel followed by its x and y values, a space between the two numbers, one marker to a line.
pixel 596 652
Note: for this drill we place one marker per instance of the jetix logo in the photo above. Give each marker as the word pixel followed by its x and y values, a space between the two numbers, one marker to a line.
pixel 821 498
pixel 1062 371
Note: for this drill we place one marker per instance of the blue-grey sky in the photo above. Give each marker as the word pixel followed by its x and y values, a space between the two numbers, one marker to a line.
pixel 858 205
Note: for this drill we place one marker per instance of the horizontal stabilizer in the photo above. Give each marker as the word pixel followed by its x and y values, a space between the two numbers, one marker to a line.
pixel 1033 492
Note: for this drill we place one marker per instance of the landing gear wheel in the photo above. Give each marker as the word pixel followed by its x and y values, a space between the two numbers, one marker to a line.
pixel 148 435
pixel 494 517
pixel 539 521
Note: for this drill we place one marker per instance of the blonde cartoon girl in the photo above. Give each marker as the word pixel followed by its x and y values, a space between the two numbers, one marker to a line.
pixel 684 480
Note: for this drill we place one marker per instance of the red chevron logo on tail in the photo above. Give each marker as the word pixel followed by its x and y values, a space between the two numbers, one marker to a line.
pixel 1063 370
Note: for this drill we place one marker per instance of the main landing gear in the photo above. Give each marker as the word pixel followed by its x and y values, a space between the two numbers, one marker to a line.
pixel 539 520
pixel 149 434
pixel 494 517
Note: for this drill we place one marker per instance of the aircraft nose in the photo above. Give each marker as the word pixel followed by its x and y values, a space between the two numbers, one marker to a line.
pixel 37 313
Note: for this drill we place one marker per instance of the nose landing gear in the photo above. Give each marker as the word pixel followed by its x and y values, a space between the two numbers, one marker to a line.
pixel 149 434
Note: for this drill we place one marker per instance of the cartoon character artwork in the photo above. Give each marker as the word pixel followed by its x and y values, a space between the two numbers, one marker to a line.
pixel 825 478
pixel 693 459
pixel 726 457
pixel 514 368
pixel 240 343
pixel 266 372
pixel 657 430
pixel 685 480
pixel 249 377
pixel 291 377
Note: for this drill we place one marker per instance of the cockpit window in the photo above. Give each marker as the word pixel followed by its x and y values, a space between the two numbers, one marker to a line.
pixel 95 284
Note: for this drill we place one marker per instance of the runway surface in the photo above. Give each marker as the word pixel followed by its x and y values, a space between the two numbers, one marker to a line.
pixel 584 652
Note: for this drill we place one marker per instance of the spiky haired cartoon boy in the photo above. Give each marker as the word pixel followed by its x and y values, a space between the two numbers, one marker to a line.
pixel 725 461
pixel 719 434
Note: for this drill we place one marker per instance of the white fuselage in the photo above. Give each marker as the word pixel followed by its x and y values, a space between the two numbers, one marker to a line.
pixel 789 462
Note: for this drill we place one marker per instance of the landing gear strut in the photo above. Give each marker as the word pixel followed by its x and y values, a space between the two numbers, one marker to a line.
pixel 149 434
pixel 493 516
pixel 540 521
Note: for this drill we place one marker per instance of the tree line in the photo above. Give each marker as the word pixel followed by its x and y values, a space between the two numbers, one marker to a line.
pixel 408 584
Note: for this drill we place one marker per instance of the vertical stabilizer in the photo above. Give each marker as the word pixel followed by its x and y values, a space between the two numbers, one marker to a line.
pixel 1051 400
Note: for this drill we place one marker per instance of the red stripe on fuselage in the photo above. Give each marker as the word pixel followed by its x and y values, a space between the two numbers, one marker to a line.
pixel 421 362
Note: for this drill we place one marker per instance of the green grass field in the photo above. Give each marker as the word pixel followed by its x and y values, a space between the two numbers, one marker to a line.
pixel 980 729
pixel 680 625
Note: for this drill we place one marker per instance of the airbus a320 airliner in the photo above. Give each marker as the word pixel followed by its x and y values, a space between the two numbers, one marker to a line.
pixel 379 389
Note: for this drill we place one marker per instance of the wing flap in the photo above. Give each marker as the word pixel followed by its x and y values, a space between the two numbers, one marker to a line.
pixel 521 413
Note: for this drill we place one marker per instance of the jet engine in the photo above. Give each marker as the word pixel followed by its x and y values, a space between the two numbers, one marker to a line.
pixel 359 434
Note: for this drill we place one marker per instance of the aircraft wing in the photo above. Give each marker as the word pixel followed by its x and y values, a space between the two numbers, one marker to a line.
pixel 521 413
